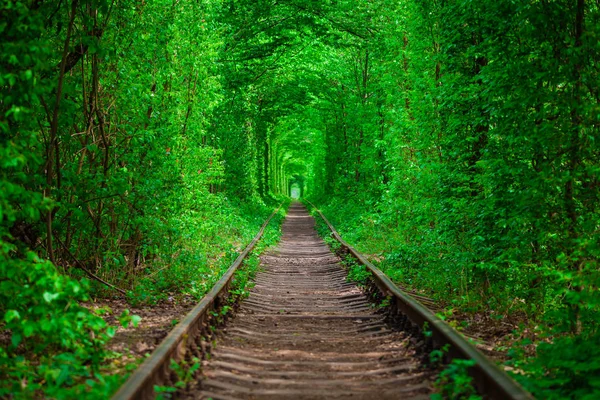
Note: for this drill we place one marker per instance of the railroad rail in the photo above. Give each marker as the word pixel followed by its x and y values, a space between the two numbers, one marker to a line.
pixel 187 339
pixel 305 333
pixel 489 379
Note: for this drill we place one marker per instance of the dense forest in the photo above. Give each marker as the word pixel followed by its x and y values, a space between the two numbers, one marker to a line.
pixel 143 143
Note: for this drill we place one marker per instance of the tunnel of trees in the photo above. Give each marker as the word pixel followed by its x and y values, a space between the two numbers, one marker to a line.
pixel 142 144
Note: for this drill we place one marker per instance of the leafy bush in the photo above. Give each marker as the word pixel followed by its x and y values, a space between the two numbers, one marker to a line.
pixel 55 342
pixel 455 383
pixel 568 367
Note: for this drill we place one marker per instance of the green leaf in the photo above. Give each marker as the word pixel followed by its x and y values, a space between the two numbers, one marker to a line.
pixel 135 320
pixel 49 297
pixel 16 339
pixel 11 315
pixel 110 331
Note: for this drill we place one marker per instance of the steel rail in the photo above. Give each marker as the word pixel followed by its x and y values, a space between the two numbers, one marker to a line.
pixel 490 380
pixel 155 370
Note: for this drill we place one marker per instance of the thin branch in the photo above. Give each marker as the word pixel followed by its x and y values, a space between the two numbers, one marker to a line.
pixel 79 265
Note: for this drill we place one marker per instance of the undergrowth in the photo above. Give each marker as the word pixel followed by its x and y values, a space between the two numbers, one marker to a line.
pixel 241 285
pixel 455 383
pixel 548 354
pixel 209 240
pixel 57 346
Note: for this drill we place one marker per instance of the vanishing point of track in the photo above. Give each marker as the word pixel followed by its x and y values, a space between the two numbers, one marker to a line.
pixel 305 333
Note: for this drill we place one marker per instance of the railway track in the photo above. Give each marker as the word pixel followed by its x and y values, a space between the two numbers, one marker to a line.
pixel 306 333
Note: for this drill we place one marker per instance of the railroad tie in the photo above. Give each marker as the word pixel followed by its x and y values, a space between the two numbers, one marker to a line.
pixel 306 333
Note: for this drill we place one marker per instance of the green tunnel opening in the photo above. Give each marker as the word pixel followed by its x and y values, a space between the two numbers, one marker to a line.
pixel 296 186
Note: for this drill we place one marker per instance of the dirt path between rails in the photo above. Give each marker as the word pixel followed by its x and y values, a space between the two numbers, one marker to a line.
pixel 306 333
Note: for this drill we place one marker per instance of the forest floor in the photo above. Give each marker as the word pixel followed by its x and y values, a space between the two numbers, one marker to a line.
pixel 132 344
pixel 492 336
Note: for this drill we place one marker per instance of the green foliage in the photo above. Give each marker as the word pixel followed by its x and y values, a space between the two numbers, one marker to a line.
pixel 356 272
pixel 568 367
pixel 453 142
pixel 55 343
pixel 126 319
pixel 436 357
pixel 185 372
pixel 455 383
pixel 241 283
pixel 164 392
pixel 214 236
pixel 464 160
pixel 110 166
